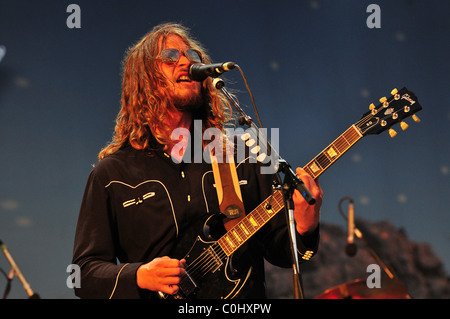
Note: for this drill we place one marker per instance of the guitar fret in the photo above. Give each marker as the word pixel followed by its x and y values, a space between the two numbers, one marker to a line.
pixel 247 225
pixel 315 169
pixel 251 223
pixel 323 160
pixel 346 139
pixel 244 229
pixel 353 134
pixel 333 152
pixel 236 235
pixel 230 242
pixel 235 241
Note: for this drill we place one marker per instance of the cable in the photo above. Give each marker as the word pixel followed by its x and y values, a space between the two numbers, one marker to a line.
pixel 8 284
pixel 340 208
pixel 251 95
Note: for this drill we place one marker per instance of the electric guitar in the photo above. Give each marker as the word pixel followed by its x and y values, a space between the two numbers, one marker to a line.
pixel 209 273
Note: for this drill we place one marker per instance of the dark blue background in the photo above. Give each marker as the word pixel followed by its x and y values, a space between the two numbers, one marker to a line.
pixel 313 66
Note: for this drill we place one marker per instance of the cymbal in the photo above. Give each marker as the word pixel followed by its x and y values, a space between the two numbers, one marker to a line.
pixel 357 289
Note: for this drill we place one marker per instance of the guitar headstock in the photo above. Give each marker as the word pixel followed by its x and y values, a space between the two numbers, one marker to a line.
pixel 400 105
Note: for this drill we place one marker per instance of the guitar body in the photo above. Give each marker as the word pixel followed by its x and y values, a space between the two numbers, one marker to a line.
pixel 209 271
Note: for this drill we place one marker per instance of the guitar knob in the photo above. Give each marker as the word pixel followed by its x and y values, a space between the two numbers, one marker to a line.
pixel 392 133
pixel 403 125
pixel 394 91
pixel 371 106
pixel 416 118
pixel 383 99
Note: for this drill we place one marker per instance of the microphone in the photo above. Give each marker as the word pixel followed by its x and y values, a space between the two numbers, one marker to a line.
pixel 199 71
pixel 350 248
pixel 31 294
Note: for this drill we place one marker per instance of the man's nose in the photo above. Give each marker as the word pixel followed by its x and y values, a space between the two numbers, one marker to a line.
pixel 184 60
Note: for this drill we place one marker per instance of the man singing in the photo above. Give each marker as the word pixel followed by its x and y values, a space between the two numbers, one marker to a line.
pixel 143 198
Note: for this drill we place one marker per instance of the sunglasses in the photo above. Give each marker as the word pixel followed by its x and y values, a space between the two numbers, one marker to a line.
pixel 171 56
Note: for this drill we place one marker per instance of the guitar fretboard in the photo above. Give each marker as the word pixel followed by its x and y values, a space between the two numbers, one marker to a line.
pixel 330 154
pixel 251 223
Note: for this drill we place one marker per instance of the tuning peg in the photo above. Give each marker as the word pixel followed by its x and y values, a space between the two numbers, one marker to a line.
pixel 371 106
pixel 403 125
pixel 416 118
pixel 384 101
pixel 392 132
pixel 394 91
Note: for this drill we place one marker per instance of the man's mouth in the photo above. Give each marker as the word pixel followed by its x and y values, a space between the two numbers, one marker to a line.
pixel 183 78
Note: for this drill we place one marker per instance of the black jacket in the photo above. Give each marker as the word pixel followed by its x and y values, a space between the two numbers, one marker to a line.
pixel 138 205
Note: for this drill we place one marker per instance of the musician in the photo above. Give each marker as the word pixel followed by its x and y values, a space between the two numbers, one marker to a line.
pixel 142 197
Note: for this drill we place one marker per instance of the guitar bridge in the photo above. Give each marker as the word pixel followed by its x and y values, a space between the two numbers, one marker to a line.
pixel 214 261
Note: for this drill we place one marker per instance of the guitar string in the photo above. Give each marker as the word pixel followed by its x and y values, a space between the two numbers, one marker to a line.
pixel 206 262
pixel 197 263
pixel 325 162
pixel 364 119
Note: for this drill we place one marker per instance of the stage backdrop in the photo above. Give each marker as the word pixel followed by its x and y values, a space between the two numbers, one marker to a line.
pixel 314 67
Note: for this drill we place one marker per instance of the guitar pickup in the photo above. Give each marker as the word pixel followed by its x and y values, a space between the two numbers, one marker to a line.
pixel 216 262
pixel 187 285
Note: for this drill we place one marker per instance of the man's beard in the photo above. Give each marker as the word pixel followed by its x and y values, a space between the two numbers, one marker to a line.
pixel 188 103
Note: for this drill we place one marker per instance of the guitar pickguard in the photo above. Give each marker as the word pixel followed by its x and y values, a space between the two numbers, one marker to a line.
pixel 221 280
pixel 209 271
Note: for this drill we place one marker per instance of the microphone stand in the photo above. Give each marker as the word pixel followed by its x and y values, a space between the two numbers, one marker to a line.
pixel 31 294
pixel 291 182
pixel 359 234
pixel 296 279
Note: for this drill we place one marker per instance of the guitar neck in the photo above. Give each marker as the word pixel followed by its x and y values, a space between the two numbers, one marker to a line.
pixel 254 221
pixel 335 150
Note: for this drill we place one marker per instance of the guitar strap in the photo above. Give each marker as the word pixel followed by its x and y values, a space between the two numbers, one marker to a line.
pixel 228 190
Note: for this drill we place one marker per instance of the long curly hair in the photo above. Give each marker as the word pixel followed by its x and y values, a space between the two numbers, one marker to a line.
pixel 145 103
